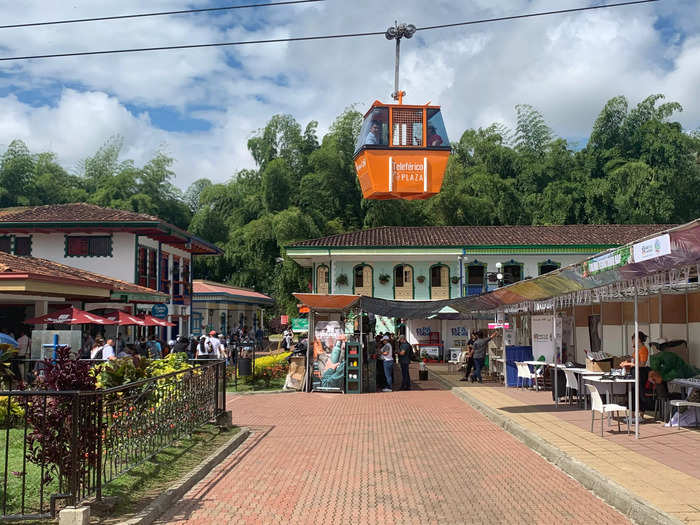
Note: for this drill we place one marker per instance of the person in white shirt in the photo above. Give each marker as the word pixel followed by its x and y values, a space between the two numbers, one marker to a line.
pixel 387 354
pixel 108 350
pixel 216 344
pixel 208 347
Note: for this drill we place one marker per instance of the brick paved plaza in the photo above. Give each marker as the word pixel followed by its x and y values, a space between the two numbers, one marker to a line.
pixel 422 456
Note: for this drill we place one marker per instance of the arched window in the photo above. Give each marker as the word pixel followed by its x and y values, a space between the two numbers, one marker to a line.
pixel 476 274
pixel 362 280
pixel 548 266
pixel 403 281
pixel 512 272
pixel 439 281
pixel 322 274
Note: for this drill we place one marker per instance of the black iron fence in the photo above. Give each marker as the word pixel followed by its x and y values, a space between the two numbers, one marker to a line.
pixel 65 446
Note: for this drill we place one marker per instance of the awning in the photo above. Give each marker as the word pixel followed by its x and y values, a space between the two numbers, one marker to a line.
pixel 672 249
pixel 321 302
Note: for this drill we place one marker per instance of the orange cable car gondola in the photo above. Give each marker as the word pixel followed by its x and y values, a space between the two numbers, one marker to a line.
pixel 402 150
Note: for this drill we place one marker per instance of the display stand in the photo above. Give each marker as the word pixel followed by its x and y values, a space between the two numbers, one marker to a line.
pixel 353 368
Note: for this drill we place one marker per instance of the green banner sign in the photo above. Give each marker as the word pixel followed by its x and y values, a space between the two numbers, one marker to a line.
pixel 300 324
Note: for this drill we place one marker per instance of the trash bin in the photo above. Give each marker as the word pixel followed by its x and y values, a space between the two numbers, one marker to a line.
pixel 245 366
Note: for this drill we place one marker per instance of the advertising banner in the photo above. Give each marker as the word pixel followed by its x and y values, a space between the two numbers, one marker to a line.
pixel 328 357
pixel 652 248
pixel 300 324
pixel 543 337
pixel 609 261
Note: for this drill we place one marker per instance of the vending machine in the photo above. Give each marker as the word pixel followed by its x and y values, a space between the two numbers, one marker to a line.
pixel 353 368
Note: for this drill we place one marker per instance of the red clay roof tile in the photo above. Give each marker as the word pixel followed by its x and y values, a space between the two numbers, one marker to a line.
pixel 402 236
pixel 32 265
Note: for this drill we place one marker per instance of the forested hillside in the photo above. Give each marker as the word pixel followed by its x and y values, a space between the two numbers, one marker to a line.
pixel 638 166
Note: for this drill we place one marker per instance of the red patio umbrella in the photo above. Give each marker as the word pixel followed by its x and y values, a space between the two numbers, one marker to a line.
pixel 125 319
pixel 154 321
pixel 70 315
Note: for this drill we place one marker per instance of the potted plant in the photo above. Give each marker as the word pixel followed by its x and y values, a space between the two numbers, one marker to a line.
pixel 420 278
pixel 384 278
pixel 455 280
pixel 341 280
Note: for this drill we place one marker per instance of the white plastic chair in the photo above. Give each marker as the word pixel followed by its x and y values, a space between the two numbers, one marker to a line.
pixel 597 405
pixel 524 373
pixel 571 384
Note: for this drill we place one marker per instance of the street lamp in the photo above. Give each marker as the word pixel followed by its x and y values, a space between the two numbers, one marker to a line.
pixel 499 275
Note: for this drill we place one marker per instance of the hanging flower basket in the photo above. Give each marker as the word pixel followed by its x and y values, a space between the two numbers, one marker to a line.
pixel 455 280
pixel 384 278
pixel 420 278
pixel 341 280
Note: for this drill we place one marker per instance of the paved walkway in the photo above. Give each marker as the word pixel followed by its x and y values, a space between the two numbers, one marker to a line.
pixel 662 467
pixel 421 457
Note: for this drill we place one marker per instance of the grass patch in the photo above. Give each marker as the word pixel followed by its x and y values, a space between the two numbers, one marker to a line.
pixel 14 441
pixel 141 485
pixel 245 385
pixel 132 491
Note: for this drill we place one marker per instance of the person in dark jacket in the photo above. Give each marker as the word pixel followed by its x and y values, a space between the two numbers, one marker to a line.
pixel 405 351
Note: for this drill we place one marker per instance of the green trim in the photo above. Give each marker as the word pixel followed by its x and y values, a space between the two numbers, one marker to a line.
pixel 475 262
pixel 430 280
pixel 548 262
pixel 316 277
pixel 513 262
pixel 65 246
pixel 413 279
pixel 362 264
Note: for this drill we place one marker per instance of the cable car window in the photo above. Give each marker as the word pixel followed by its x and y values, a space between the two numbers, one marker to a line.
pixel 407 127
pixel 374 129
pixel 437 134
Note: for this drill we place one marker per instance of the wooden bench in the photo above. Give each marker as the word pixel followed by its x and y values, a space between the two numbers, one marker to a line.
pixel 678 403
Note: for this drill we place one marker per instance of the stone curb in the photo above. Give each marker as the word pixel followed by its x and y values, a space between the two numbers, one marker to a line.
pixel 259 392
pixel 184 484
pixel 613 494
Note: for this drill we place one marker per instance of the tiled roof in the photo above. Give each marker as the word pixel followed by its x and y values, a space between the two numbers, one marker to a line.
pixel 401 236
pixel 74 212
pixel 208 287
pixel 10 264
pixel 33 218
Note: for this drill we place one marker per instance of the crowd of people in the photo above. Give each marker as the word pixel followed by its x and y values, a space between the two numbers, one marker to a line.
pixel 207 346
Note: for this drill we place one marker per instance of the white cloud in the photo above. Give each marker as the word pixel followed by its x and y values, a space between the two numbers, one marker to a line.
pixel 566 65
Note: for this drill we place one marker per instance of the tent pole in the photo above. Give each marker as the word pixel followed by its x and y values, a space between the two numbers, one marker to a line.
pixel 556 352
pixel 636 365
pixel 312 339
pixel 661 317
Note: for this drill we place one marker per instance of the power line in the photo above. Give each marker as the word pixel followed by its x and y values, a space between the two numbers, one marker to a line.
pixel 558 12
pixel 160 13
pixel 319 37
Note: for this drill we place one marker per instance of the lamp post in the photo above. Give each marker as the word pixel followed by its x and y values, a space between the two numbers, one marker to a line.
pixel 498 274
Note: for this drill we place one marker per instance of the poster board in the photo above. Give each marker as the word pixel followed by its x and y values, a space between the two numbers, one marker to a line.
pixel 328 360
pixel 543 337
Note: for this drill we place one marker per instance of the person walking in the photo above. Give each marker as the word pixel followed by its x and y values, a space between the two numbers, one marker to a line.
pixel 388 361
pixel 405 350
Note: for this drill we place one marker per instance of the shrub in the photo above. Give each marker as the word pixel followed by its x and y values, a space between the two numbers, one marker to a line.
pixel 9 418
pixel 269 373
pixel 270 360
pixel 51 419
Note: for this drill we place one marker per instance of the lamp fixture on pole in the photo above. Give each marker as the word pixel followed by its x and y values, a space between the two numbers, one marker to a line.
pixel 397 32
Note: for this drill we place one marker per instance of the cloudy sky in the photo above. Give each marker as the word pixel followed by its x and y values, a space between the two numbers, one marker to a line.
pixel 201 105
